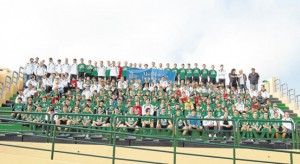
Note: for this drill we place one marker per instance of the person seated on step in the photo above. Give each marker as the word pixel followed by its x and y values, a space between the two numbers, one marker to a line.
pixel 181 123
pixel 194 124
pixel 244 125
pixel 210 125
pixel 117 117
pixel 226 126
pixel 147 122
pixel 75 119
pixel 18 107
pixel 100 120
pixel 277 110
pixel 63 118
pixel 38 117
pixel 164 123
pixel 266 127
pixel 131 121
pixel 287 126
pixel 27 116
pixel 254 126
pixel 277 126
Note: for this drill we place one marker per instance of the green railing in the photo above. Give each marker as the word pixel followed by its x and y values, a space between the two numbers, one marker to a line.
pixel 51 135
pixel 297 133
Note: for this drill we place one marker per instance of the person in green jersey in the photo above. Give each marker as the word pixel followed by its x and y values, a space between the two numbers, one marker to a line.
pixel 75 119
pixel 28 117
pixel 124 69
pixel 204 75
pixel 89 69
pixel 147 122
pixel 196 74
pixel 44 104
pixel 18 107
pixel 100 120
pixel 189 73
pixel 57 106
pixel 110 107
pixel 181 123
pixel 131 122
pixel 277 126
pixel 212 75
pixel 175 69
pixel 81 68
pixel 254 126
pixel 244 124
pixel 266 127
pixel 119 123
pixel 95 70
pixel 37 118
pixel 63 118
pixel 168 67
pixel 182 74
pixel 164 122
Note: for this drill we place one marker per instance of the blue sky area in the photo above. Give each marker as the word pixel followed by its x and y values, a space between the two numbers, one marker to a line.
pixel 239 34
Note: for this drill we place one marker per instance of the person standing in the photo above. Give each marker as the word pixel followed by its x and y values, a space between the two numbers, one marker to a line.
pixel 28 70
pixel 222 75
pixel 168 67
pixel 50 67
pixel 81 68
pixel 204 74
pixel 107 71
pixel 253 78
pixel 114 71
pixel 242 80
pixel 189 73
pixel 89 69
pixel 182 74
pixel 233 79
pixel 124 69
pixel 101 71
pixel 175 70
pixel 196 73
pixel 95 70
pixel 120 70
pixel 73 69
pixel 40 71
pixel 58 67
pixel 66 67
pixel 212 75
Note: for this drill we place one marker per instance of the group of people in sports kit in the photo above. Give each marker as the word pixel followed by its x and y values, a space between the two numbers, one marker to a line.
pixel 91 95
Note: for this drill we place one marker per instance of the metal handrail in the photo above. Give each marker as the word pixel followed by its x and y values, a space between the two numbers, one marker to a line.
pixel 292 96
pixel 277 85
pixel 284 90
pixel 2 89
pixel 298 101
pixel 14 79
pixel 174 138
pixel 8 83
pixel 21 72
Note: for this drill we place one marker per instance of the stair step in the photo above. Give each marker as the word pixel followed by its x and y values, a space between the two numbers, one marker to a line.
pixel 7 105
pixel 293 115
pixel 275 101
pixel 5 108
pixel 10 101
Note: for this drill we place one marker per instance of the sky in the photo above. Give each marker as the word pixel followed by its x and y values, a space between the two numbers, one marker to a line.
pixel 239 34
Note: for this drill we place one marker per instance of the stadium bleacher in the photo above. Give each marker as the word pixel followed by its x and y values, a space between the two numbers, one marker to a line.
pixel 98 97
